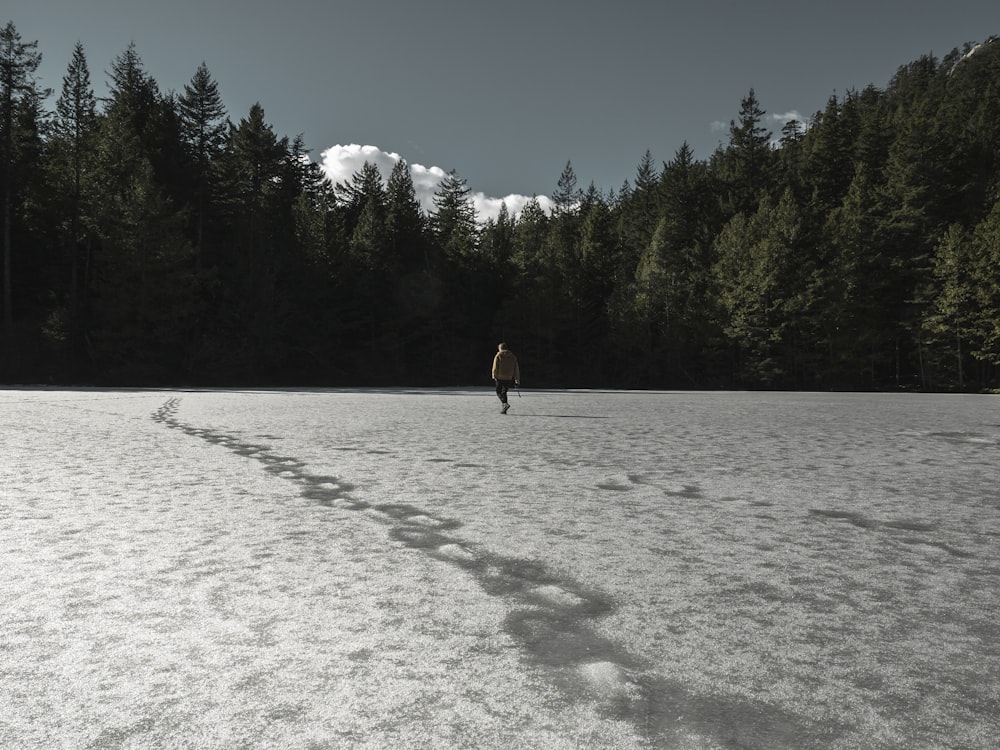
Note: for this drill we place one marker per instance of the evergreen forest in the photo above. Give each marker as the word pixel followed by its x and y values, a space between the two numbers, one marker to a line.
pixel 151 238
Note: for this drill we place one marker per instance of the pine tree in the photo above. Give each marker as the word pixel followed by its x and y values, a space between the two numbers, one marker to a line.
pixel 871 148
pixel 132 90
pixel 746 163
pixel 363 202
pixel 758 261
pixel 144 298
pixel 672 274
pixel 953 314
pixel 963 323
pixel 561 250
pixel 453 220
pixel 497 240
pixel 370 239
pixel 639 210
pixel 313 200
pixel 253 171
pixel 405 220
pixel 70 147
pixel 19 95
pixel 830 154
pixel 986 285
pixel 567 196
pixel 530 230
pixel 203 130
pixel 856 280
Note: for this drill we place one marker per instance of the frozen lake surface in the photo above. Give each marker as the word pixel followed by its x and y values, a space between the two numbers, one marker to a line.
pixel 411 569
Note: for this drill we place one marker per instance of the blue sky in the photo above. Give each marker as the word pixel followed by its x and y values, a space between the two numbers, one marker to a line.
pixel 506 93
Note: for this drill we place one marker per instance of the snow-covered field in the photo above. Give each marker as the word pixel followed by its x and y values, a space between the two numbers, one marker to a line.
pixel 410 569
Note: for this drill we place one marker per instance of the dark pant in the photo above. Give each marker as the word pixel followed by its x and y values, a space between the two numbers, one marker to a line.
pixel 502 386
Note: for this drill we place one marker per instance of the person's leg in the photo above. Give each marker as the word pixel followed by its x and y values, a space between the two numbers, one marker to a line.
pixel 502 391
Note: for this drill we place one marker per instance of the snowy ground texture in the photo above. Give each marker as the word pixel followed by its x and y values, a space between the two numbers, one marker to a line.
pixel 411 569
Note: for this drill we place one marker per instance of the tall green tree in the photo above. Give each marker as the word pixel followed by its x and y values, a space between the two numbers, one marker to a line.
pixel 453 221
pixel 954 314
pixel 497 241
pixel 830 156
pixel 672 276
pixel 133 93
pixel 561 250
pixel 364 207
pixel 598 263
pixel 758 259
pixel 70 166
pixel 253 170
pixel 986 245
pixel 530 231
pixel 370 238
pixel 203 131
pixel 638 212
pixel 135 98
pixel 963 319
pixel 19 131
pixel 746 165
pixel 405 220
pixel 313 199
pixel 144 298
pixel 567 195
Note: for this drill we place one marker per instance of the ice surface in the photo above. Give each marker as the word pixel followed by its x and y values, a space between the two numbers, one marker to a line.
pixel 411 569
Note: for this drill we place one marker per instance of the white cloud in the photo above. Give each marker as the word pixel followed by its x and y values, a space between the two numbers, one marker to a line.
pixel 487 208
pixel 787 117
pixel 780 120
pixel 776 118
pixel 341 162
pixel 425 182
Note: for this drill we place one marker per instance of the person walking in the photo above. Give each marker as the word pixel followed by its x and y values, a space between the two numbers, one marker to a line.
pixel 506 372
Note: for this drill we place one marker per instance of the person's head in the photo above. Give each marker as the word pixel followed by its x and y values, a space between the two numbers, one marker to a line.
pixel 502 347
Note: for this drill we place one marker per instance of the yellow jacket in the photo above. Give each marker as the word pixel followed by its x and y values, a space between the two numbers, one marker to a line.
pixel 505 366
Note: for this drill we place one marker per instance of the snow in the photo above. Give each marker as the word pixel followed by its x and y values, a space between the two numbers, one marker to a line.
pixel 412 569
pixel 974 49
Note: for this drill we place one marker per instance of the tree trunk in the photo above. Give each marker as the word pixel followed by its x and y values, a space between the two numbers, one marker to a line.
pixel 961 372
pixel 8 304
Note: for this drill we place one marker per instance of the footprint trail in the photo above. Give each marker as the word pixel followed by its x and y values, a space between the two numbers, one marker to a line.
pixel 549 615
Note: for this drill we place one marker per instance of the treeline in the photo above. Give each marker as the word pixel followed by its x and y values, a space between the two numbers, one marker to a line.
pixel 149 239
